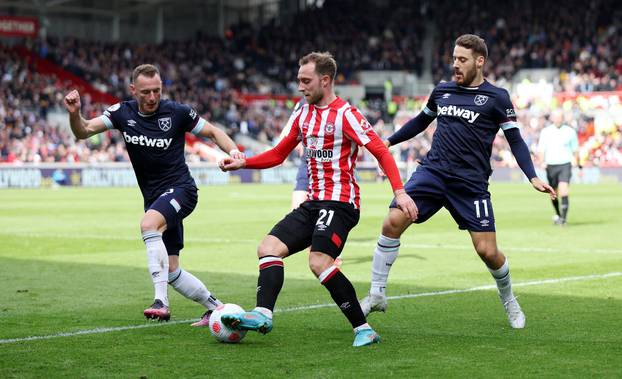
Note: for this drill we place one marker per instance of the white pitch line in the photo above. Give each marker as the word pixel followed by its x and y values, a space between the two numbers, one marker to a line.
pixel 314 306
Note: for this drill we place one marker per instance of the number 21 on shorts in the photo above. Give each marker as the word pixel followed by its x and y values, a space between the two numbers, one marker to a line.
pixel 481 205
pixel 323 214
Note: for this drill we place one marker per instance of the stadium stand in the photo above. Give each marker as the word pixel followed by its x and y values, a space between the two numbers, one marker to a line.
pixel 233 80
pixel 536 34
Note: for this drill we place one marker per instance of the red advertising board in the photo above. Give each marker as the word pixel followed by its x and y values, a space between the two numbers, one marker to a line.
pixel 11 26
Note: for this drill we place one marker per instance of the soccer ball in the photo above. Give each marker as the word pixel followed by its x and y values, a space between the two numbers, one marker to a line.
pixel 219 330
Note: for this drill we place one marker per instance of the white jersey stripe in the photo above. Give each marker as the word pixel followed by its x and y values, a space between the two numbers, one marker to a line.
pixel 358 129
pixel 310 167
pixel 320 145
pixel 337 146
pixel 331 136
pixel 351 166
pixel 290 123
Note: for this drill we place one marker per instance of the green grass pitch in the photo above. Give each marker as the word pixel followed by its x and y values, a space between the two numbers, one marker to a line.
pixel 73 270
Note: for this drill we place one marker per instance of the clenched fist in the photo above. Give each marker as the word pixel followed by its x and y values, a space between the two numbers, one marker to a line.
pixel 72 101
pixel 230 164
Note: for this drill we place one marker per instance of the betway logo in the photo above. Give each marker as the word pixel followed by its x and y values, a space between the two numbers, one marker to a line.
pixel 146 141
pixel 452 110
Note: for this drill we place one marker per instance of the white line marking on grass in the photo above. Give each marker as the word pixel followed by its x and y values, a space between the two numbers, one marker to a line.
pixel 314 306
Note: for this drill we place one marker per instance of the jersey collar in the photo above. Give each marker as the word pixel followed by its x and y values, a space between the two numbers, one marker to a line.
pixel 473 88
pixel 329 105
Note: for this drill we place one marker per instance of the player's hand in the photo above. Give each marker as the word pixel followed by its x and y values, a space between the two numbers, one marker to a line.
pixel 543 187
pixel 230 164
pixel 237 154
pixel 387 143
pixel 72 101
pixel 406 204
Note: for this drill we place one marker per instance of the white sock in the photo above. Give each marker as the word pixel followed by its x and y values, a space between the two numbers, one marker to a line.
pixel 504 283
pixel 157 263
pixel 364 326
pixel 264 311
pixel 192 288
pixel 384 255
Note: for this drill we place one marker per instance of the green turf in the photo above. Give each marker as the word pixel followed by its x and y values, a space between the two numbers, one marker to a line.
pixel 72 259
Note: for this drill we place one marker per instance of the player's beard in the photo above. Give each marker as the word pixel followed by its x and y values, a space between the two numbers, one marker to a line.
pixel 315 97
pixel 467 77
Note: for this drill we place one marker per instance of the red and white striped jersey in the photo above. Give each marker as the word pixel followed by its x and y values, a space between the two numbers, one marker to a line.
pixel 331 136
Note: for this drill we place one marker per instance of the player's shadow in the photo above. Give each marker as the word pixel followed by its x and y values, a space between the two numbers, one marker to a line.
pixel 571 224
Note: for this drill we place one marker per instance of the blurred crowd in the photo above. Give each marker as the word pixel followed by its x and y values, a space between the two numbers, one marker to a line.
pixel 215 75
pixel 583 39
pixel 27 134
pixel 597 120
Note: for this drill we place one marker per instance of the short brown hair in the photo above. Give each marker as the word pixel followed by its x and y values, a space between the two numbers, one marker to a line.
pixel 325 64
pixel 475 43
pixel 147 70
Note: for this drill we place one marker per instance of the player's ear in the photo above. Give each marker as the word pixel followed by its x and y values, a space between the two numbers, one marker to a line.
pixel 132 88
pixel 325 81
pixel 480 61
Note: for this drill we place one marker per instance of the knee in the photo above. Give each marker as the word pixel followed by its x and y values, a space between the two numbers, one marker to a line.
pixel 487 250
pixel 148 224
pixel 318 263
pixel 394 225
pixel 153 220
pixel 172 266
pixel 262 249
pixel 271 246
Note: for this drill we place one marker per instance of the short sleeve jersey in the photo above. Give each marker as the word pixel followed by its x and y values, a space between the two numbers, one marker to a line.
pixel 468 118
pixel 155 143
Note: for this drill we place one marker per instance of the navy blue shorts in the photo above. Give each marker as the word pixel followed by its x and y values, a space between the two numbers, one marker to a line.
pixel 175 204
pixel 469 206
pixel 302 179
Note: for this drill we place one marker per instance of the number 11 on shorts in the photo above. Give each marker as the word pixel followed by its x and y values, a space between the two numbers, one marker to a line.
pixel 484 206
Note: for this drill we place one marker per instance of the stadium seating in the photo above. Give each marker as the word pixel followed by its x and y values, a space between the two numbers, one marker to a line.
pixel 216 75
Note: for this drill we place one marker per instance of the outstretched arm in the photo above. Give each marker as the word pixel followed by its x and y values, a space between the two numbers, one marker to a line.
pixel 387 163
pixel 410 129
pixel 224 142
pixel 81 127
pixel 267 159
pixel 521 152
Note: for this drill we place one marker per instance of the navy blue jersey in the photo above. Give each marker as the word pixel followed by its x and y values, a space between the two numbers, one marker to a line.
pixel 468 118
pixel 155 143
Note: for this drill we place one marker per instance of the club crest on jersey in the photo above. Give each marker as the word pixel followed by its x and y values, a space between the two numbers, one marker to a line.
pixel 312 143
pixel 480 99
pixel 165 123
pixel 365 125
pixel 329 129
